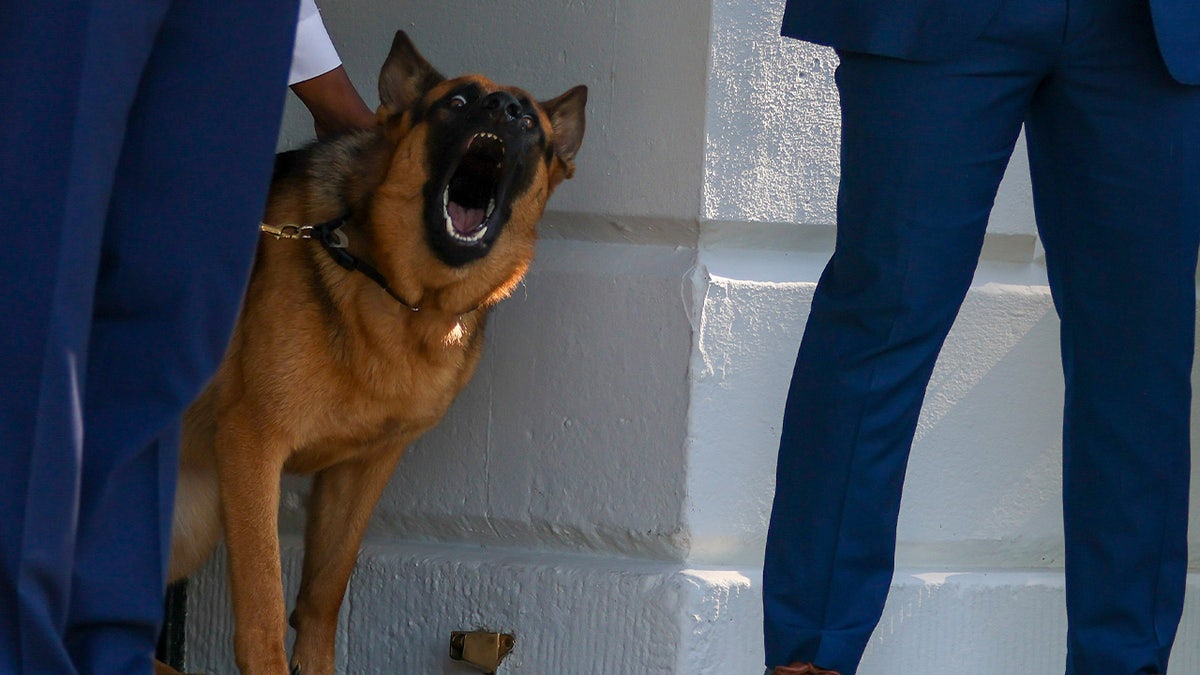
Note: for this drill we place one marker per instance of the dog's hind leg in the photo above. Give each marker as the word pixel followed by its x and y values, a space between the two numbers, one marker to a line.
pixel 343 498
pixel 197 526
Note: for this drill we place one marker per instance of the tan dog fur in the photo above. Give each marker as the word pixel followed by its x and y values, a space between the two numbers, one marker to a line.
pixel 327 374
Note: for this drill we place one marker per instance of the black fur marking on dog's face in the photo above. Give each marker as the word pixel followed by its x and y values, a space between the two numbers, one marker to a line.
pixel 484 149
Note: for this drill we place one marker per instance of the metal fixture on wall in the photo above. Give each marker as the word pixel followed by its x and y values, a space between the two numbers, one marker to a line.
pixel 481 649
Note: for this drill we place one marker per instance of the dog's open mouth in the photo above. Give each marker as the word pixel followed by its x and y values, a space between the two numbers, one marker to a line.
pixel 469 199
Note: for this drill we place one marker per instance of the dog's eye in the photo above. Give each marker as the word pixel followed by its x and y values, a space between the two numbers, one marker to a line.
pixel 458 101
pixel 527 122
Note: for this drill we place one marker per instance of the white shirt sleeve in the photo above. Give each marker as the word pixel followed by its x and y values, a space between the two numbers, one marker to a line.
pixel 313 53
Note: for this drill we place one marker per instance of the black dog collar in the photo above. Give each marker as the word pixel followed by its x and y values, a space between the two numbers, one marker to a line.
pixel 336 244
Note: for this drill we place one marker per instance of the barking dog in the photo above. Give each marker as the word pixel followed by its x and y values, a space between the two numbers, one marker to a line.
pixel 356 336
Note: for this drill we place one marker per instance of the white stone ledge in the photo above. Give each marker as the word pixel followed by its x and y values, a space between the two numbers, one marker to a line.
pixel 752 237
pixel 569 613
pixel 618 616
pixel 982 622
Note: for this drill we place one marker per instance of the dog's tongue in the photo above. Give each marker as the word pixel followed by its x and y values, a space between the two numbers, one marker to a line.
pixel 465 220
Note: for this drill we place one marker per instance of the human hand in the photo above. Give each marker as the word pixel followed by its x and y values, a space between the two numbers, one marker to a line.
pixel 334 103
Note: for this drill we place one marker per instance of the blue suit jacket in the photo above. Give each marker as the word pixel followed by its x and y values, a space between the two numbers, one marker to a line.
pixel 928 30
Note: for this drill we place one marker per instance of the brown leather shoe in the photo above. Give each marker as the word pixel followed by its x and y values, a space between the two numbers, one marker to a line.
pixel 802 669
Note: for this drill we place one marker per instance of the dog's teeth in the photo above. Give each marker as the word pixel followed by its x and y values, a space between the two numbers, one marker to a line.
pixel 491 207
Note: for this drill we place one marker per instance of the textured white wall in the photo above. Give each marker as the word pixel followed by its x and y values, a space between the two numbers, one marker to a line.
pixel 643 62
pixel 772 128
pixel 572 433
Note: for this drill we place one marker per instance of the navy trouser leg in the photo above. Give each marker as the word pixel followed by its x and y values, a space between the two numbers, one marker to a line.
pixel 924 147
pixel 137 144
pixel 59 143
pixel 1113 146
pixel 189 191
pixel 1114 149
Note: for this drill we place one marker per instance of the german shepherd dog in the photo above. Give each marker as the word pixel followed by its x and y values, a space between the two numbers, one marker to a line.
pixel 353 343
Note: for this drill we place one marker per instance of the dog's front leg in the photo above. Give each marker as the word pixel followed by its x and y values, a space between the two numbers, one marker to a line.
pixel 249 469
pixel 343 498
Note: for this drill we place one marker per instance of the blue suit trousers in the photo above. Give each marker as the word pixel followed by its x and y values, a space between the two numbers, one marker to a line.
pixel 1114 148
pixel 136 144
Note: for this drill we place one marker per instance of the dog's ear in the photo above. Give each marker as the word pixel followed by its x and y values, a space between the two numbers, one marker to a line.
pixel 405 76
pixel 567 117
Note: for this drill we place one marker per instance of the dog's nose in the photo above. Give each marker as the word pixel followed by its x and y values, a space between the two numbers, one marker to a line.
pixel 502 106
